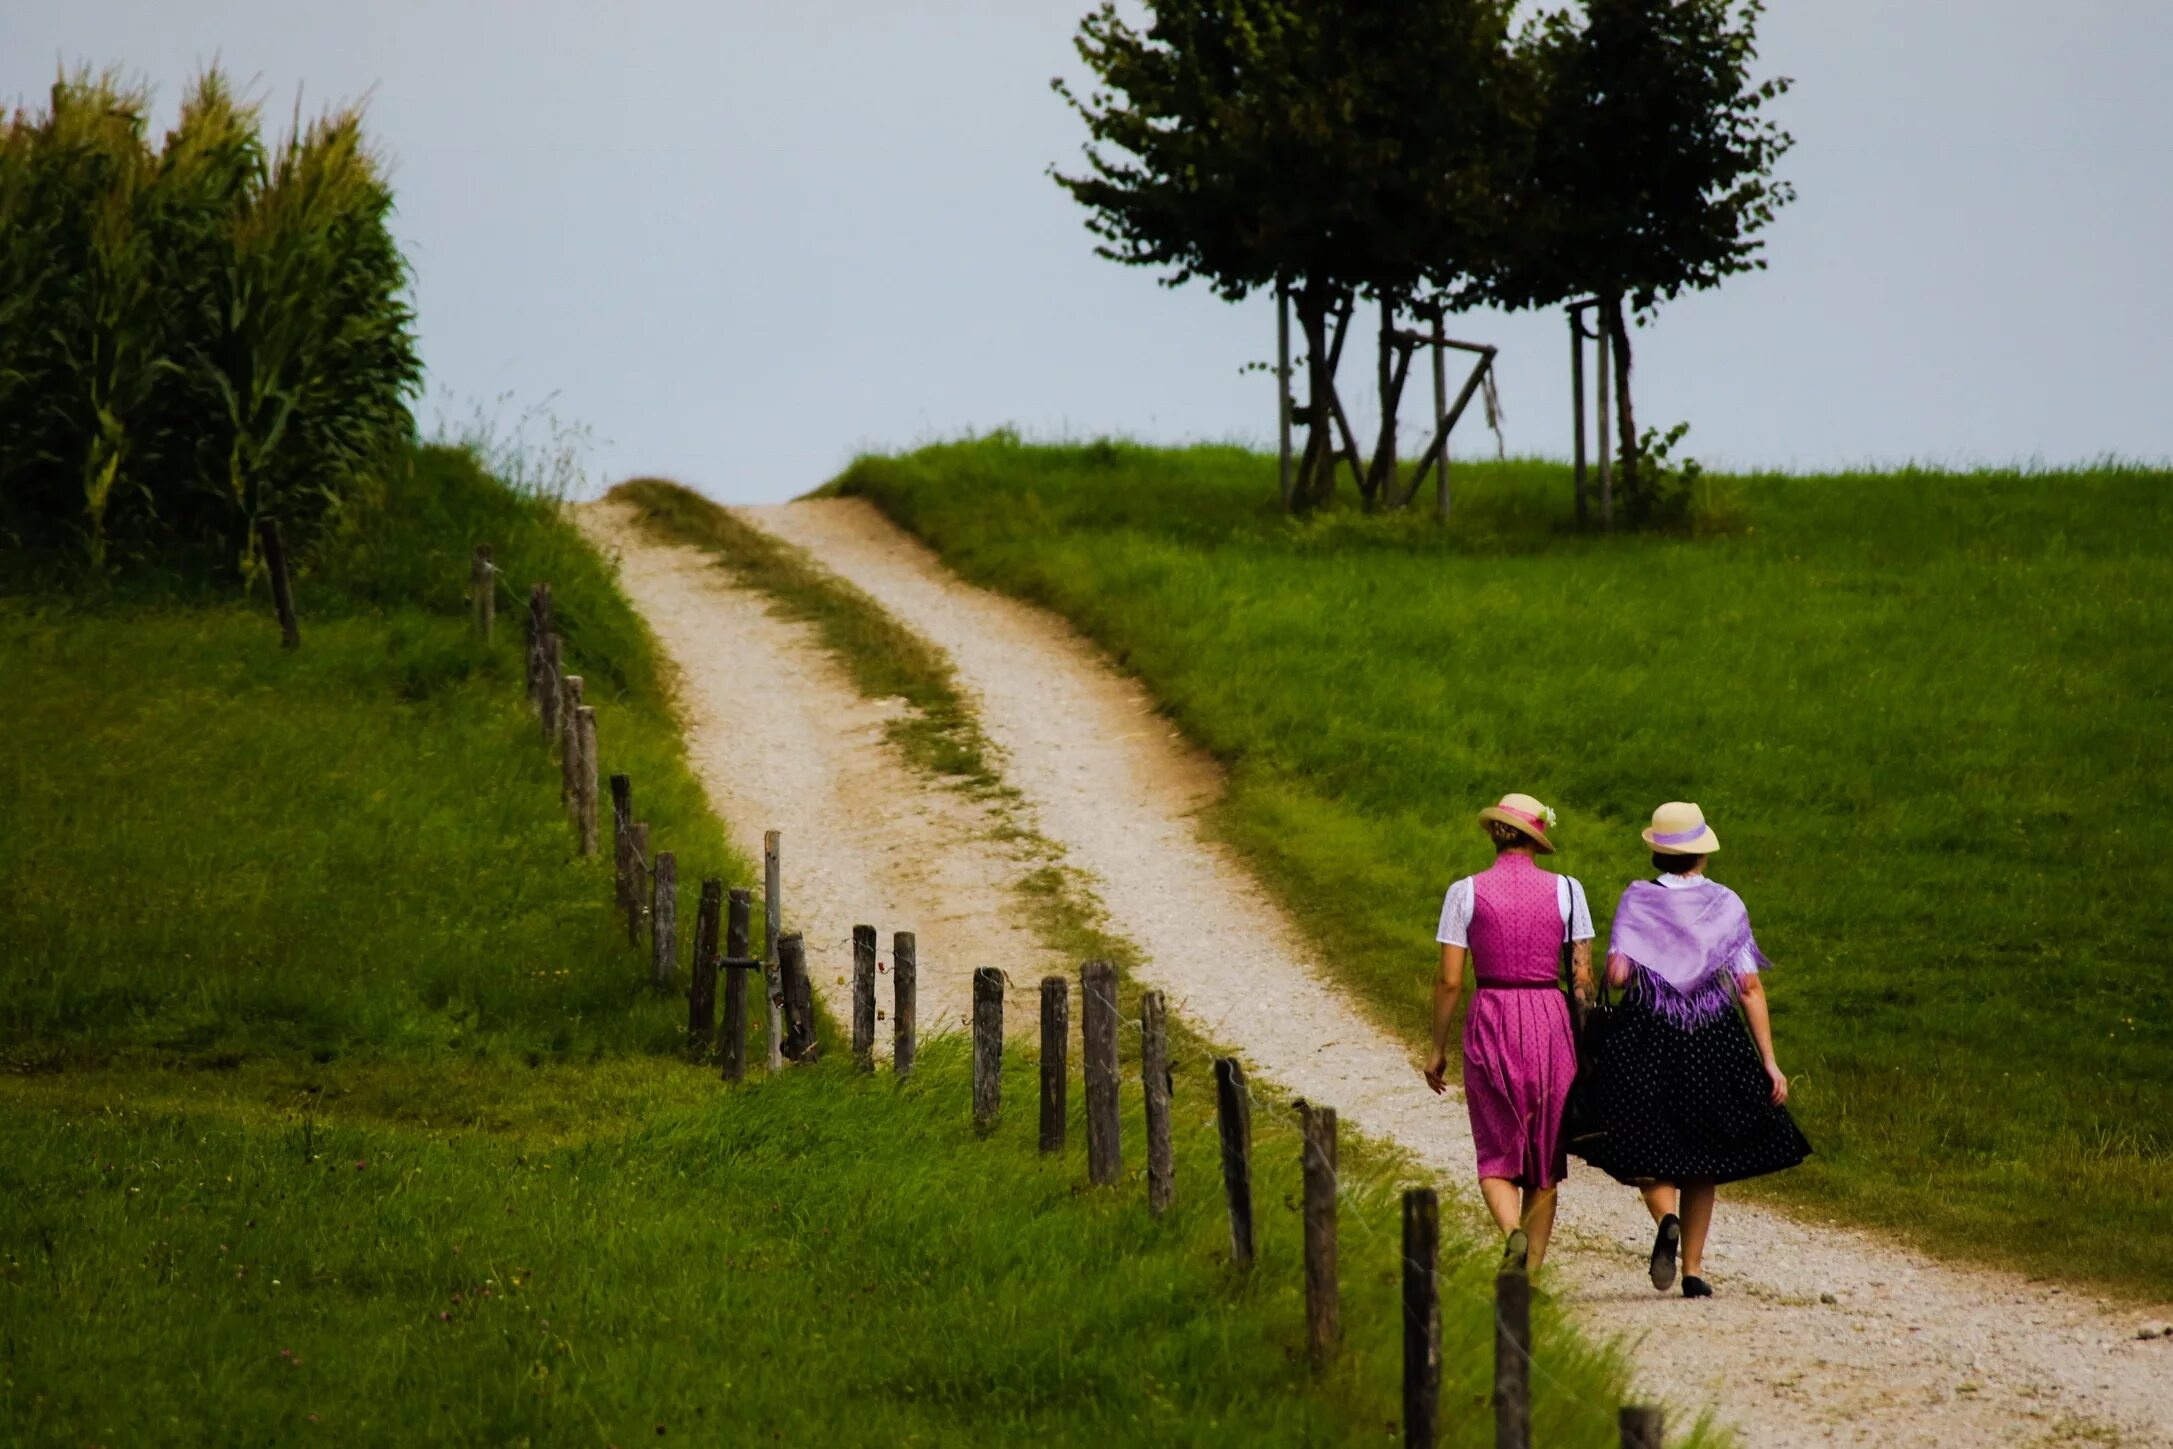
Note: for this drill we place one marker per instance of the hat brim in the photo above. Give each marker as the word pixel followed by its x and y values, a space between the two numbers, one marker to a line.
pixel 1523 827
pixel 1705 844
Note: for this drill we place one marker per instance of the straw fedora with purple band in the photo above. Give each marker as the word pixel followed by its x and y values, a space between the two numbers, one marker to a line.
pixel 1679 828
pixel 1523 813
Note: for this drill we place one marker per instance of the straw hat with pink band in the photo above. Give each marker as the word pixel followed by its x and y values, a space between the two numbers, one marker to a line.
pixel 1679 828
pixel 1523 813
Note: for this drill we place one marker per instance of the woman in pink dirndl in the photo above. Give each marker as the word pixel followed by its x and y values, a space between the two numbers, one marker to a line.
pixel 1512 920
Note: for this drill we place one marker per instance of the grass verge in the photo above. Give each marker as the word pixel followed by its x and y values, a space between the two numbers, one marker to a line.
pixel 1916 705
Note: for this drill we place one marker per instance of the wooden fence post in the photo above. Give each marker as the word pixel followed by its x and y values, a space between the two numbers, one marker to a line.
pixel 799 1043
pixel 702 982
pixel 622 838
pixel 584 780
pixel 1421 1318
pixel 1098 1031
pixel 1513 1357
pixel 864 998
pixel 1055 1050
pixel 275 559
pixel 773 923
pixel 1233 1118
pixel 539 624
pixel 550 677
pixel 904 1007
pixel 483 592
pixel 569 752
pixel 1154 1076
pixel 664 921
pixel 1642 1426
pixel 1323 1293
pixel 738 924
pixel 637 881
pixel 988 1046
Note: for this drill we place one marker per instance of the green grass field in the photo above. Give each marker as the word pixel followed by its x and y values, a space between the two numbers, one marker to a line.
pixel 333 1100
pixel 1926 712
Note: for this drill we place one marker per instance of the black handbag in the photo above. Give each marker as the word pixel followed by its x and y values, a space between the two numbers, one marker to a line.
pixel 1582 1123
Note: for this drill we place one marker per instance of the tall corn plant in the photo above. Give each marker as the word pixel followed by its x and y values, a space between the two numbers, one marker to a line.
pixel 193 340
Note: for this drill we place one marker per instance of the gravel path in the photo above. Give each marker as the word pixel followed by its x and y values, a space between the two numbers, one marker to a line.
pixel 781 740
pixel 1908 1351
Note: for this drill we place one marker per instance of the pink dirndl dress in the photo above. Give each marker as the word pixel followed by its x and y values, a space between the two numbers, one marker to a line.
pixel 1519 1054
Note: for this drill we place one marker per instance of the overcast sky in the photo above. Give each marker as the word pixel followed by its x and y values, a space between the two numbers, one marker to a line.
pixel 740 242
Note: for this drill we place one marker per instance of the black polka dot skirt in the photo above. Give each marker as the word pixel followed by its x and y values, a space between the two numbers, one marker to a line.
pixel 1674 1104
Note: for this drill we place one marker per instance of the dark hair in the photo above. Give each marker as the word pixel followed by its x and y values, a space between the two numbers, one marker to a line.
pixel 1506 837
pixel 1670 864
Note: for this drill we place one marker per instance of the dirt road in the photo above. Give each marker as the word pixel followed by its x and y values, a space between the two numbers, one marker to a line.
pixel 1820 1335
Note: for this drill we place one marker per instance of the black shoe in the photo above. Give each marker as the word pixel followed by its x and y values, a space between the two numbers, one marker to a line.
pixel 1695 1287
pixel 1664 1244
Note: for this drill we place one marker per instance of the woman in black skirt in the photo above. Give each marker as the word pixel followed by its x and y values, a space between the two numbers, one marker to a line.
pixel 1686 1089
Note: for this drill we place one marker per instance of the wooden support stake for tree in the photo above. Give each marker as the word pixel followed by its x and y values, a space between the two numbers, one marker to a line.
pixel 1513 1357
pixel 1154 1076
pixel 1642 1426
pixel 1421 1319
pixel 904 1008
pixel 1233 1119
pixel 1323 1292
pixel 569 752
pixel 552 664
pixel 1055 1049
pixel 275 560
pixel 1441 410
pixel 584 780
pixel 483 592
pixel 1098 1031
pixel 702 982
pixel 1576 406
pixel 1282 388
pixel 664 921
pixel 864 998
pixel 988 1046
pixel 773 922
pixel 799 1044
pixel 622 839
pixel 637 881
pixel 1607 450
pixel 738 927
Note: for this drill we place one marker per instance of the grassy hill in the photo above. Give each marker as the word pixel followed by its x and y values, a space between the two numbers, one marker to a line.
pixel 333 1101
pixel 1924 710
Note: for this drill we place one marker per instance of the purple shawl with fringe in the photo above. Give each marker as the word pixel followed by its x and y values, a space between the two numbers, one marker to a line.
pixel 1683 941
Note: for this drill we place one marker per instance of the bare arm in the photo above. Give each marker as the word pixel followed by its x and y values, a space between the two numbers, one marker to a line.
pixel 1580 967
pixel 1448 988
pixel 1752 991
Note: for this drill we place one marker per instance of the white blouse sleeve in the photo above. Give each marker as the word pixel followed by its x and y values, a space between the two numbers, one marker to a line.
pixel 1745 963
pixel 1456 915
pixel 1570 898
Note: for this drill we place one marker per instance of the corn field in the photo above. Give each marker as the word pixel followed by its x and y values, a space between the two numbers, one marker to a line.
pixel 196 337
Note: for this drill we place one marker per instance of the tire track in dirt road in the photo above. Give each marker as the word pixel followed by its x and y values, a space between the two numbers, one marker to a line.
pixel 1821 1336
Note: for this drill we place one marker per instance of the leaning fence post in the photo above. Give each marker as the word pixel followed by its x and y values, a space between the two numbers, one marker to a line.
pixel 1421 1318
pixel 1154 1076
pixel 1233 1118
pixel 569 753
pixel 904 1007
pixel 637 881
pixel 622 838
pixel 1513 1357
pixel 799 1043
pixel 483 592
pixel 584 779
pixel 702 982
pixel 1098 1032
pixel 664 920
pixel 773 922
pixel 550 666
pixel 733 1049
pixel 1323 1294
pixel 988 1046
pixel 1055 1048
pixel 1641 1425
pixel 275 559
pixel 864 998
